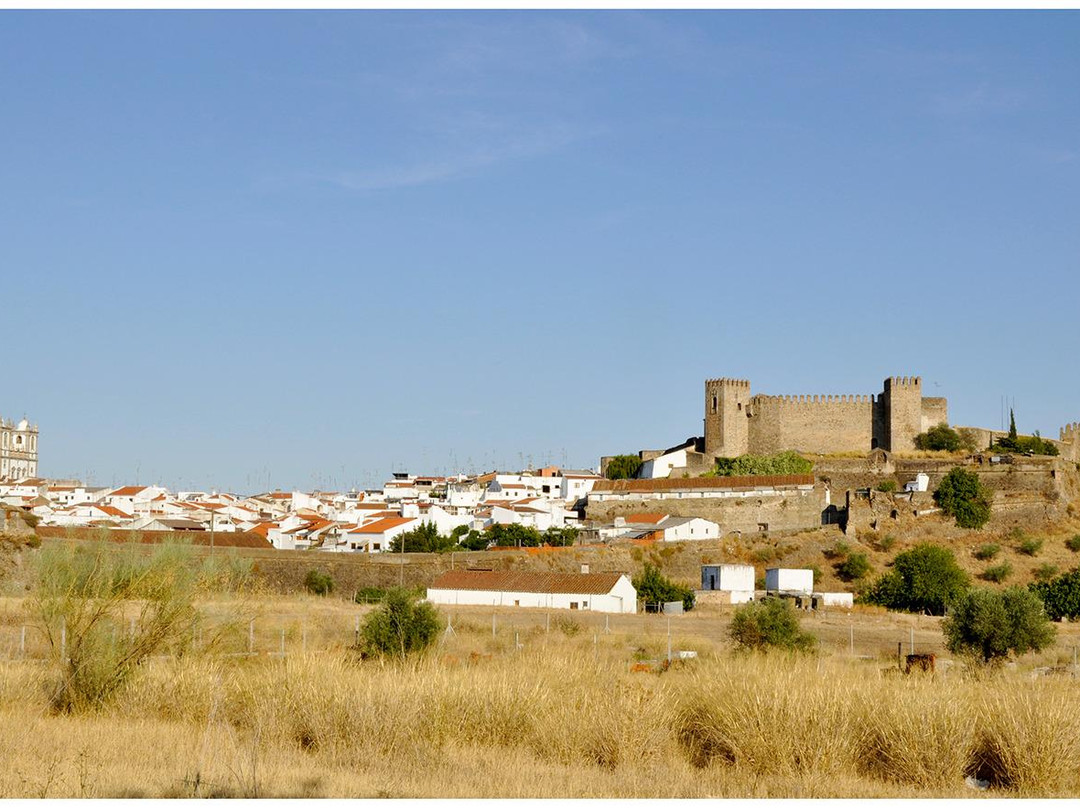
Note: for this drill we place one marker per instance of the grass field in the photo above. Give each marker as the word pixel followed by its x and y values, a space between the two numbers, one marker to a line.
pixel 547 706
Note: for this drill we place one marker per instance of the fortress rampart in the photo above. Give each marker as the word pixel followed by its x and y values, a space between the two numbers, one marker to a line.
pixel 737 422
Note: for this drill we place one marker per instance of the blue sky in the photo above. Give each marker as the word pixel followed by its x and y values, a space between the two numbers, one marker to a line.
pixel 294 249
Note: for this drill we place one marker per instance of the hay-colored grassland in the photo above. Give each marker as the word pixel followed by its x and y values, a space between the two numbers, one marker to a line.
pixel 542 709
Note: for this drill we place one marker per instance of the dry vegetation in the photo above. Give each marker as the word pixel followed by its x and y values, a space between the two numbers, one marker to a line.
pixel 564 714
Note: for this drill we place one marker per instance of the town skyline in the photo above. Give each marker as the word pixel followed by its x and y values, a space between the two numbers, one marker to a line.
pixel 432 241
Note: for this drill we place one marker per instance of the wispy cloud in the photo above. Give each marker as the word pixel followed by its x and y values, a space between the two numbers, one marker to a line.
pixel 462 162
pixel 981 100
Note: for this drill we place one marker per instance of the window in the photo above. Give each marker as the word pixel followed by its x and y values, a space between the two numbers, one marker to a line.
pixel 714 403
pixel 517 602
pixel 573 604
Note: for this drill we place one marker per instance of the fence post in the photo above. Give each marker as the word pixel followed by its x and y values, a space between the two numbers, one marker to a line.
pixel 282 642
pixel 356 632
pixel 251 636
pixel 912 651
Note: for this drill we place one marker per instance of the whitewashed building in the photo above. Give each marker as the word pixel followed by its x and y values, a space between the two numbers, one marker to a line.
pixel 789 581
pixel 735 579
pixel 596 592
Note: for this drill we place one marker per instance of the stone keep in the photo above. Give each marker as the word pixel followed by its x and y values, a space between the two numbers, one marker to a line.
pixel 737 422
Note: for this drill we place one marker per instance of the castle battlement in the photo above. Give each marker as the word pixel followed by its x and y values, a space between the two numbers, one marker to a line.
pixel 813 400
pixel 726 382
pixel 738 423
pixel 1069 432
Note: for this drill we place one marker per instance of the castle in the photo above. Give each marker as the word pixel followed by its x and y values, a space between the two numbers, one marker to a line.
pixel 18 450
pixel 738 423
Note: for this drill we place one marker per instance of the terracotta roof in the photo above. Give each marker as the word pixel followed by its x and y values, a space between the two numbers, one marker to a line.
pixel 263 529
pixel 128 491
pixel 111 511
pixel 646 518
pixel 382 525
pixel 545 582
pixel 691 483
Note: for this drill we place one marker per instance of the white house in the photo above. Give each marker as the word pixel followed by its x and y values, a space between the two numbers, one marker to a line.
pixel 597 592
pixel 375 537
pixel 920 483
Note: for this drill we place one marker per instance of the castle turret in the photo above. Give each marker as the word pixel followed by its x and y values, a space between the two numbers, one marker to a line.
pixel 903 411
pixel 727 431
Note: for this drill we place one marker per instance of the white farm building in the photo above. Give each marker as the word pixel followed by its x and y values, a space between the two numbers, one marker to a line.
pixel 596 592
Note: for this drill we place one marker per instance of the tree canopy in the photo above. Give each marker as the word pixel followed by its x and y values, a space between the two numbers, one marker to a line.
pixel 1060 595
pixel 990 625
pixel 940 438
pixel 623 467
pixel 962 496
pixel 925 578
pixel 655 589
pixel 402 625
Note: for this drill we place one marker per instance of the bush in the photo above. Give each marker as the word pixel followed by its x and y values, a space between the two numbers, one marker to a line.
pixel 78 602
pixel 840 549
pixel 475 540
pixel 997 573
pixel 655 589
pixel 1030 547
pixel 318 582
pixel 886 486
pixel 1073 543
pixel 886 542
pixel 623 467
pixel 990 625
pixel 752 465
pixel 940 438
pixel 769 623
pixel 1045 572
pixel 1061 596
pixel 424 538
pixel 962 495
pixel 923 579
pixel 987 551
pixel 402 625
pixel 855 567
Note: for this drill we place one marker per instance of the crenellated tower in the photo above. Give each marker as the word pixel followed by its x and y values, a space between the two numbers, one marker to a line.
pixel 902 404
pixel 727 403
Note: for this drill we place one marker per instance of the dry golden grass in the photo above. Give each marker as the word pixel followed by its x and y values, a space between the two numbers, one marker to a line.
pixel 562 716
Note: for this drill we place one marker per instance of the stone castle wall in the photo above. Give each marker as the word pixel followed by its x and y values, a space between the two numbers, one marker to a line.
pixel 815 424
pixel 738 423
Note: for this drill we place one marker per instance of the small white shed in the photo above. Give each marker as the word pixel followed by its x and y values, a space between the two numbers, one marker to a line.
pixel 795 581
pixel 738 579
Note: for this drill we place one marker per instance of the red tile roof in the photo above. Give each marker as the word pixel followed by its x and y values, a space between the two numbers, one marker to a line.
pixel 382 525
pixel 128 491
pixel 598 583
pixel 646 518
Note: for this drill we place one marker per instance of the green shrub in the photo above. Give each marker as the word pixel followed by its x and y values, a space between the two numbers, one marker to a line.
pixel 940 438
pixel 923 579
pixel 997 573
pixel 655 589
pixel 1073 543
pixel 839 550
pixel 853 568
pixel 887 486
pixel 769 623
pixel 80 596
pixel 990 625
pixel 568 626
pixel 1030 547
pixel 886 542
pixel 763 555
pixel 402 625
pixel 752 465
pixel 1061 596
pixel 987 551
pixel 423 538
pixel 318 582
pixel 963 496
pixel 369 594
pixel 623 467
pixel 1045 572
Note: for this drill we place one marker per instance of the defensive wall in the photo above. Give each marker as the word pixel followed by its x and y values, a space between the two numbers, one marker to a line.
pixel 737 504
pixel 737 422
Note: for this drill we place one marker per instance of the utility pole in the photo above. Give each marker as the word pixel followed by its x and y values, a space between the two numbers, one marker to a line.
pixel 211 531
